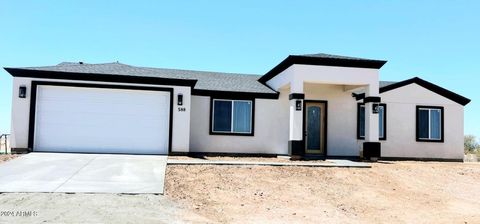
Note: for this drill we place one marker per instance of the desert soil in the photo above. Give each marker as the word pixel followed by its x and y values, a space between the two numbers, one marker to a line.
pixel 396 192
pixel 6 157
pixel 92 208
pixel 390 192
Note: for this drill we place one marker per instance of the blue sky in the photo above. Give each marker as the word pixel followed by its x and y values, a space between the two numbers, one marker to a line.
pixel 436 40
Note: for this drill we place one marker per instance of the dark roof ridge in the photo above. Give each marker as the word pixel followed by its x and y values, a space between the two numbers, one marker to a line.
pixel 324 55
pixel 201 71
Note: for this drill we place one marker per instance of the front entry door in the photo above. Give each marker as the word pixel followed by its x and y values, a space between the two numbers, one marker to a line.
pixel 315 127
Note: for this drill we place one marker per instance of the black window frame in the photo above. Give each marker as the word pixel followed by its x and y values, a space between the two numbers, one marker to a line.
pixel 384 138
pixel 252 121
pixel 442 124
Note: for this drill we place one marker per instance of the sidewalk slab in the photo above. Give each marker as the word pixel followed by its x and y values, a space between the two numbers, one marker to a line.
pixel 327 163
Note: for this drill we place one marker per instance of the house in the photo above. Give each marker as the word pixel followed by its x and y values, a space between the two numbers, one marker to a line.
pixel 307 105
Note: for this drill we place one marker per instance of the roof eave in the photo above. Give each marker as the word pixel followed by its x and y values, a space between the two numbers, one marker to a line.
pixel 234 94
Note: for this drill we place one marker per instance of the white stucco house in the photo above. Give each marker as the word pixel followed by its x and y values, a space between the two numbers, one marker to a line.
pixel 308 105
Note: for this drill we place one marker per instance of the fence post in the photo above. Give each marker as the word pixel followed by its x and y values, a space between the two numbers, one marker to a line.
pixel 1 143
pixel 6 144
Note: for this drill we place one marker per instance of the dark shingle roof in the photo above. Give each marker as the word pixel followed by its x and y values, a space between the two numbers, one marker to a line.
pixel 210 81
pixel 386 83
pixel 215 81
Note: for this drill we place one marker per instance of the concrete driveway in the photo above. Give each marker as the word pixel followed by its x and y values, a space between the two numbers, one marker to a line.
pixel 94 173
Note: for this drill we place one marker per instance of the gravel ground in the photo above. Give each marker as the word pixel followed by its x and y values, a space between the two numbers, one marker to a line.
pixel 390 192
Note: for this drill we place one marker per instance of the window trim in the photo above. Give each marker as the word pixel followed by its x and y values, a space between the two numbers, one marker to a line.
pixel 384 138
pixel 252 121
pixel 442 124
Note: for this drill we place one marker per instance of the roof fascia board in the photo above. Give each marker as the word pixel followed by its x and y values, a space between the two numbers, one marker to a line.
pixel 234 95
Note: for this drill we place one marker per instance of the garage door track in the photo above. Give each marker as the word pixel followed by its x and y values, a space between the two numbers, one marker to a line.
pixel 92 173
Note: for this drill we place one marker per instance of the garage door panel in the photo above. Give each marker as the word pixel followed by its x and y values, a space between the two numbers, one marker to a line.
pixel 128 105
pixel 101 121
pixel 79 119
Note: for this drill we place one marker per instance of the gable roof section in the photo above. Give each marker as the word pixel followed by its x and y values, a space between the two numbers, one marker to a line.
pixel 202 82
pixel 427 85
pixel 321 59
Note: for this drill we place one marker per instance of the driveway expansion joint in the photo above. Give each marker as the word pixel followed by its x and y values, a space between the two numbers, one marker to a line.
pixel 76 172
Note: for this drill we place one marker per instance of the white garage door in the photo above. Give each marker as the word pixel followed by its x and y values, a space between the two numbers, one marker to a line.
pixel 101 120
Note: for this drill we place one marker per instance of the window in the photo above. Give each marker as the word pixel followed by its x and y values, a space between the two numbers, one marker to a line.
pixel 382 122
pixel 429 124
pixel 232 117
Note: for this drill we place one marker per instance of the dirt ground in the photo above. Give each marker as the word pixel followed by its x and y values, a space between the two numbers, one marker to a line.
pixel 389 192
pixel 6 157
pixel 92 208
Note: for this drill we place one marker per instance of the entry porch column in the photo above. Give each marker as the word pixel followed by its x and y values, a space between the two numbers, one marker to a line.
pixel 296 147
pixel 371 146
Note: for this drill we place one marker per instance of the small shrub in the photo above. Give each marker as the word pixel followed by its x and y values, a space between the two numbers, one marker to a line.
pixel 471 145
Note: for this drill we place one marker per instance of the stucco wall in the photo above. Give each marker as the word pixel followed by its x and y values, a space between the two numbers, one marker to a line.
pixel 191 128
pixel 21 110
pixel 401 124
pixel 271 124
pixel 271 129
pixel 341 120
